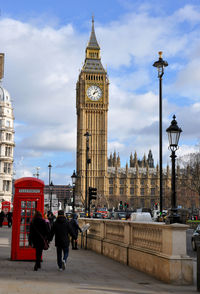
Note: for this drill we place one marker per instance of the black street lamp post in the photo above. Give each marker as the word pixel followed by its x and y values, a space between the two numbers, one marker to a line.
pixel 74 176
pixel 51 186
pixel 49 166
pixel 88 160
pixel 173 134
pixel 160 64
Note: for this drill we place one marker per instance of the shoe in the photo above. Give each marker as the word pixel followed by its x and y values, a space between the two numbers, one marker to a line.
pixel 63 264
pixel 76 248
pixel 60 269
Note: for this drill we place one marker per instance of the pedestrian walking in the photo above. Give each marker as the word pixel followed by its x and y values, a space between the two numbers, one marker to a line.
pixel 51 217
pixel 9 218
pixel 75 228
pixel 47 222
pixel 61 229
pixel 2 215
pixel 38 237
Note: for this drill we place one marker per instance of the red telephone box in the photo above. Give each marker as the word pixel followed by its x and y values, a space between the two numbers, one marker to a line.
pixel 29 197
pixel 6 208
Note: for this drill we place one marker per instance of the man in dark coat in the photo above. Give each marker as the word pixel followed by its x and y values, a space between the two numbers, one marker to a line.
pixel 75 227
pixel 38 233
pixel 61 229
pixel 9 218
pixel 2 215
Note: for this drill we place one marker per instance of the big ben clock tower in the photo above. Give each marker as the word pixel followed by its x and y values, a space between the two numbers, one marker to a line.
pixel 92 108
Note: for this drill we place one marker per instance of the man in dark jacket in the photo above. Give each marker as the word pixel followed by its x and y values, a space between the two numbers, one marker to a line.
pixel 61 229
pixel 2 215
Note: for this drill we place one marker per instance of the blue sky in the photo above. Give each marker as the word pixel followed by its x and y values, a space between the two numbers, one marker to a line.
pixel 44 44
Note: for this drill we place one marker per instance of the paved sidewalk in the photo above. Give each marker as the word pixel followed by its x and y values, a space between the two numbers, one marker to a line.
pixel 86 273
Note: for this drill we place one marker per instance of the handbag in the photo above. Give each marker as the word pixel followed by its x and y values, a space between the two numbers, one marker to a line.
pixel 46 243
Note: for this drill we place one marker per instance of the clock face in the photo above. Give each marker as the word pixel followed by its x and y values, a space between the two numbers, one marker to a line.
pixel 94 93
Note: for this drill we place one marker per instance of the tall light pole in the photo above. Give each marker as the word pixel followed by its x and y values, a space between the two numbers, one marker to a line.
pixel 173 135
pixel 87 135
pixel 160 64
pixel 49 166
pixel 51 186
pixel 74 176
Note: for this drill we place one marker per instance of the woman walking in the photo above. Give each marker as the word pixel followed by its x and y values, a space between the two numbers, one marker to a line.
pixel 38 234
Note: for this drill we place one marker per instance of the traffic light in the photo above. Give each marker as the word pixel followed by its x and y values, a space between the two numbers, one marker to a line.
pixel 156 205
pixel 92 194
pixel 125 204
pixel 120 205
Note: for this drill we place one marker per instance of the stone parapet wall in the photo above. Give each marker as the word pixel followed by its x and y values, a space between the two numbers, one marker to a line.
pixel 154 248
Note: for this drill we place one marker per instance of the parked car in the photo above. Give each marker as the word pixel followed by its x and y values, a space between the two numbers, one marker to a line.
pixel 120 215
pixel 97 215
pixel 195 238
pixel 82 214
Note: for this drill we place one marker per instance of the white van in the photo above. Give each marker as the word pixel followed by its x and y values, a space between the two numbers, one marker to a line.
pixel 141 217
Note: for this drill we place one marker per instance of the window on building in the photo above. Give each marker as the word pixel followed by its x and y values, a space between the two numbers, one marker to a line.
pixel 111 181
pixel 153 191
pixel 152 182
pixel 8 136
pixel 8 123
pixel 131 191
pixel 7 168
pixel 121 191
pixel 111 190
pixel 142 182
pixel 132 181
pixel 142 191
pixel 6 186
pixel 8 151
pixel 121 181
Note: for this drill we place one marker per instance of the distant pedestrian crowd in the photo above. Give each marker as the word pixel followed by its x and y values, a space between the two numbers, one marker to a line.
pixel 6 217
pixel 44 228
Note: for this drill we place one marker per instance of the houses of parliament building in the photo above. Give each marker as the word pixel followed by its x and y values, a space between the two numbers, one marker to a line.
pixel 138 182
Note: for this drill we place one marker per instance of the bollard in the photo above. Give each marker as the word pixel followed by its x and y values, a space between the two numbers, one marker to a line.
pixel 198 264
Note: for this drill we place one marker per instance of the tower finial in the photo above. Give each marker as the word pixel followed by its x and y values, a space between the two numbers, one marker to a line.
pixel 93 22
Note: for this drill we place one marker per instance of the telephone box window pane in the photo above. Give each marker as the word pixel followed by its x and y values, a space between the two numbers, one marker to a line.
pixel 22 236
pixel 23 220
pixel 23 203
pixel 29 204
pixel 27 212
pixel 33 204
pixel 21 228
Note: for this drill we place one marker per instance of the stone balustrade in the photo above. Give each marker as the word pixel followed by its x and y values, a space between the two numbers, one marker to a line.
pixel 154 248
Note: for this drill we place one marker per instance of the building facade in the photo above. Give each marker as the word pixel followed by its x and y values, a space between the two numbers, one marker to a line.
pixel 6 140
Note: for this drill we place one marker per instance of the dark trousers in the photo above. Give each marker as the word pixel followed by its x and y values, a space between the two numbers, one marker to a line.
pixel 38 252
pixel 60 251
